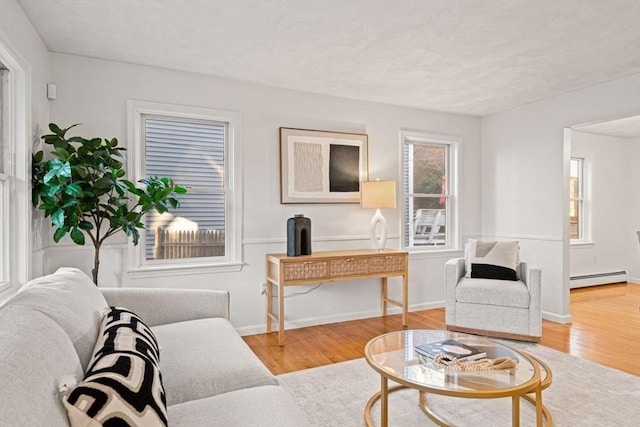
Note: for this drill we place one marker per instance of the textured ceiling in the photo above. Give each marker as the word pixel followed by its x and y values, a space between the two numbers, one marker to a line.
pixel 628 127
pixel 463 56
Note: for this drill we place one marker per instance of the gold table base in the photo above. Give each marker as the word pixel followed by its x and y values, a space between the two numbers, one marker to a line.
pixel 533 396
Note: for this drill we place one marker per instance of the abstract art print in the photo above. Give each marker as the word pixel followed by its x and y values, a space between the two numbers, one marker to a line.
pixel 322 166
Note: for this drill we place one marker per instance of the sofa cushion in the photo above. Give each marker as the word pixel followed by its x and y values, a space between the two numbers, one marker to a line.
pixel 493 292
pixel 70 299
pixel 206 357
pixel 123 385
pixel 266 406
pixel 36 359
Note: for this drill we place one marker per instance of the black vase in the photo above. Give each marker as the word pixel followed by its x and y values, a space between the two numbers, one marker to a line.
pixel 298 236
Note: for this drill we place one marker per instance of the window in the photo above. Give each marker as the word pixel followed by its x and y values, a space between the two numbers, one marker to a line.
pixel 4 180
pixel 579 184
pixel 15 165
pixel 198 149
pixel 429 181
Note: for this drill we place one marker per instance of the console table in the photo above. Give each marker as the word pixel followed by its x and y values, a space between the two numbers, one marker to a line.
pixel 322 267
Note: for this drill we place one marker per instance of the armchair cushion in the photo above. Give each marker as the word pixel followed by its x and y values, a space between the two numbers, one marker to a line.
pixel 493 292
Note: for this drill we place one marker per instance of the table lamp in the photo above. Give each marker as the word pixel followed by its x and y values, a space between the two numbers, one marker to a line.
pixel 377 195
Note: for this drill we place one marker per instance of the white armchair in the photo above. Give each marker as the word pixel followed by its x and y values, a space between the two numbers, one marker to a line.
pixel 499 308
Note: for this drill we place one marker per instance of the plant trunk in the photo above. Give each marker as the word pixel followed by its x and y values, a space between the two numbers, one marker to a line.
pixel 96 262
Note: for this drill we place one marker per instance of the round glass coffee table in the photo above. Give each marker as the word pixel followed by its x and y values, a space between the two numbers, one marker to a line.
pixel 392 355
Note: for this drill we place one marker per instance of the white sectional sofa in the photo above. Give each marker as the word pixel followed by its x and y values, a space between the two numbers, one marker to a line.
pixel 211 378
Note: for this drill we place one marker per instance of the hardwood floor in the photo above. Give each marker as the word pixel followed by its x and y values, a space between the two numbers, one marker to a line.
pixel 605 330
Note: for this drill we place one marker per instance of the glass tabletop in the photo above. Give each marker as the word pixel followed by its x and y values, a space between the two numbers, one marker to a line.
pixel 393 356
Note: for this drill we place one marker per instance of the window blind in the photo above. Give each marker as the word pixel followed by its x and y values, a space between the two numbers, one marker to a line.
pixel 192 153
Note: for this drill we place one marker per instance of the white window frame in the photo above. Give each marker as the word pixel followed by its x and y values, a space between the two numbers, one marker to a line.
pixel 585 206
pixel 452 213
pixel 139 266
pixel 15 227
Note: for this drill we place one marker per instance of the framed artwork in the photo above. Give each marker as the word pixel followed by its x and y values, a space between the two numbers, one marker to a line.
pixel 322 167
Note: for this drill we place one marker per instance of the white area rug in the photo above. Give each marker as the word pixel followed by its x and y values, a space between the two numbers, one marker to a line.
pixel 582 394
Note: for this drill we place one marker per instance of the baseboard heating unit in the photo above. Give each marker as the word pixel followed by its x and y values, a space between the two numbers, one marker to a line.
pixel 597 279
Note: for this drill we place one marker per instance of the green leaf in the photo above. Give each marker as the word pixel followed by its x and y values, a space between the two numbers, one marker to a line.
pixel 80 171
pixel 77 236
pixel 57 218
pixel 74 190
pixel 51 191
pixel 61 153
pixel 85 225
pixel 129 185
pixel 79 139
pixel 59 234
pixel 60 143
pixel 57 168
pixel 120 189
pixel 37 157
pixel 55 128
pixel 104 183
pixel 179 190
pixel 70 127
pixel 69 203
pixel 135 234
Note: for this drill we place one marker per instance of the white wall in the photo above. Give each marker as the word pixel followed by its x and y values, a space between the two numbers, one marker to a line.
pixel 94 92
pixel 634 270
pixel 612 200
pixel 19 37
pixel 524 164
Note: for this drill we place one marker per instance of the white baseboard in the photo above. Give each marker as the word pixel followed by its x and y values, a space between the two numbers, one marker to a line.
pixel 598 279
pixel 634 279
pixel 344 317
pixel 557 318
pixel 334 318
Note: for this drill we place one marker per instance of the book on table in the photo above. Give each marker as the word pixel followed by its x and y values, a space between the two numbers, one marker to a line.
pixel 450 348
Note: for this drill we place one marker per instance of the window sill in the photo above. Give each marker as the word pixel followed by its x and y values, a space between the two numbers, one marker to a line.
pixel 183 270
pixel 582 244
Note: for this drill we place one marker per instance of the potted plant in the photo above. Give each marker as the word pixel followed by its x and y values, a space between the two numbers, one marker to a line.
pixel 80 184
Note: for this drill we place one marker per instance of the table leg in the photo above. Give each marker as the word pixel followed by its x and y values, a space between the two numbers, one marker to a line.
pixel 405 298
pixel 384 402
pixel 384 296
pixel 539 405
pixel 269 294
pixel 280 315
pixel 515 411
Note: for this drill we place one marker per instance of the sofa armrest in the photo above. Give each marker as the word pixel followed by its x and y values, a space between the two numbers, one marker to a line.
pixel 161 306
pixel 453 272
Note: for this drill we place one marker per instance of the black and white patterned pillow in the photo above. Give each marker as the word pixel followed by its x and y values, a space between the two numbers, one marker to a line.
pixel 123 384
pixel 495 260
pixel 123 331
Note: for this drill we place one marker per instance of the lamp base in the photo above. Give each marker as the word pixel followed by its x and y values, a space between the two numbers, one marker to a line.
pixel 376 243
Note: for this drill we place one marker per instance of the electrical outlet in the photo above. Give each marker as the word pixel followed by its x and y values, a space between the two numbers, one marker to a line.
pixel 263 288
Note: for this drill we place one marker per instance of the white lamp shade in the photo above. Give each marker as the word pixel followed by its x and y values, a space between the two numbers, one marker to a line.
pixel 378 194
